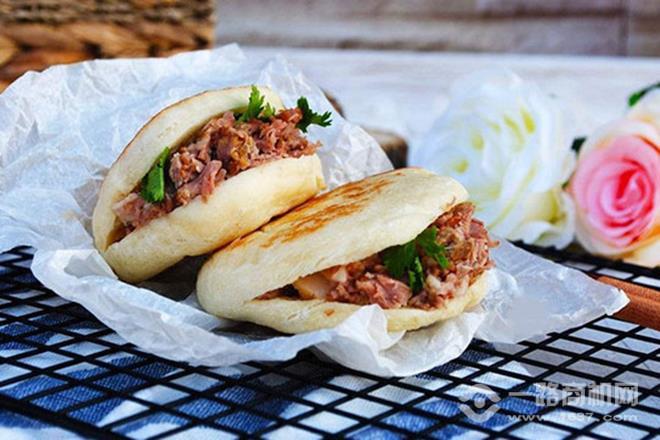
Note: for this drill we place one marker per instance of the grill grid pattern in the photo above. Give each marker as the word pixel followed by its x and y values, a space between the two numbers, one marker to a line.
pixel 77 368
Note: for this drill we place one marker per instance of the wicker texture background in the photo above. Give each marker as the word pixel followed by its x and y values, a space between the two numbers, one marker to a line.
pixel 36 34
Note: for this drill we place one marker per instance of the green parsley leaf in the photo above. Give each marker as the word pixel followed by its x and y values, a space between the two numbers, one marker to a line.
pixel 255 106
pixel 632 99
pixel 405 259
pixel 269 111
pixel 416 275
pixel 153 184
pixel 442 259
pixel 398 259
pixel 426 240
pixel 309 117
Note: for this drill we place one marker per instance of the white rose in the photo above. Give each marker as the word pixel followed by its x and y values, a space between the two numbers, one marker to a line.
pixel 507 143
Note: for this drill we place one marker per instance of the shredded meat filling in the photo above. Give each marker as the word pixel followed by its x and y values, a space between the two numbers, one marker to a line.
pixel 367 282
pixel 221 149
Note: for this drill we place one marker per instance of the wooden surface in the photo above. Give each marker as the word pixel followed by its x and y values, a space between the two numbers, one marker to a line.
pixel 602 27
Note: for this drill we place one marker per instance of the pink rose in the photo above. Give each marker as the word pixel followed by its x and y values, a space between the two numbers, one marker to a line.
pixel 616 189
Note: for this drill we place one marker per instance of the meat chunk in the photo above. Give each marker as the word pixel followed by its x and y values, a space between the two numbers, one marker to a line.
pixel 211 176
pixel 184 166
pixel 384 290
pixel 281 136
pixel 370 288
pixel 437 291
pixel 135 211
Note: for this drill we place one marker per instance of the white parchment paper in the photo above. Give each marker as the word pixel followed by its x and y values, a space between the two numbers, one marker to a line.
pixel 60 131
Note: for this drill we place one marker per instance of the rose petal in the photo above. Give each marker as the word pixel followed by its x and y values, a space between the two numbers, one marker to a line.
pixel 617 188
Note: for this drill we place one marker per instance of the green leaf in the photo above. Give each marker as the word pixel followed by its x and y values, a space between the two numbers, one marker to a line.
pixel 309 117
pixel 268 112
pixel 416 275
pixel 405 260
pixel 398 259
pixel 577 144
pixel 635 97
pixel 427 241
pixel 153 184
pixel 255 106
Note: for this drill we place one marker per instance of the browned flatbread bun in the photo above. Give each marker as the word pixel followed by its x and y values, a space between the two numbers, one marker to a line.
pixel 240 205
pixel 348 224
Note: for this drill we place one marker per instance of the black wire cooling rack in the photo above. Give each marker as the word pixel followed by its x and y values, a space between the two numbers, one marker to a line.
pixel 46 337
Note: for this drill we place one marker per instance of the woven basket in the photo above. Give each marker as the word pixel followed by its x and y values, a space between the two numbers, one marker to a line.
pixel 36 34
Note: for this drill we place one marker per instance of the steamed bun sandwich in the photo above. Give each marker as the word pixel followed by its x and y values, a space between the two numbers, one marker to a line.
pixel 404 240
pixel 203 172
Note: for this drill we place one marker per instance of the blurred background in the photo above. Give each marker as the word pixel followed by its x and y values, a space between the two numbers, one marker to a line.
pixel 603 27
pixel 38 33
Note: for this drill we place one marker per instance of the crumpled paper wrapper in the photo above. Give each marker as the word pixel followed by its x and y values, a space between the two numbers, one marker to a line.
pixel 61 130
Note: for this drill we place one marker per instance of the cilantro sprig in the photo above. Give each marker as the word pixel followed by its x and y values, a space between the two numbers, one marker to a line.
pixel 405 259
pixel 268 112
pixel 310 117
pixel 427 241
pixel 399 259
pixel 255 106
pixel 153 184
pixel 256 109
pixel 416 275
